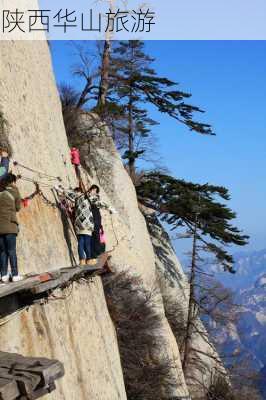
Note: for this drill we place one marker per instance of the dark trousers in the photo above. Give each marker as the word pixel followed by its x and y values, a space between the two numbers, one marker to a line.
pixel 8 251
pixel 84 247
pixel 97 247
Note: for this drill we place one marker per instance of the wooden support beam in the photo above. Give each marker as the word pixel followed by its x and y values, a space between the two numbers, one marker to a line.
pixel 8 389
pixel 27 377
pixel 66 276
pixel 14 287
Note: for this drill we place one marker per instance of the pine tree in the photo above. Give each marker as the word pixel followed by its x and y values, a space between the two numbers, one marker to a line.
pixel 180 202
pixel 134 83
pixel 207 222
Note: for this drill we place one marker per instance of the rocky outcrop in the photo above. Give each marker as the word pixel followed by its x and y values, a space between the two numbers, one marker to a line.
pixel 78 330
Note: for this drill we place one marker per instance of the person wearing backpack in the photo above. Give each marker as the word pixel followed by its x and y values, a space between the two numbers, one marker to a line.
pixel 10 204
pixel 97 244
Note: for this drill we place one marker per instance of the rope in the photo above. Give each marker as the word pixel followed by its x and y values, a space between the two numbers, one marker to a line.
pixel 69 224
pixel 116 238
pixel 40 173
pixel 115 235
pixel 38 191
pixel 25 178
pixel 47 201
pixel 65 164
pixel 64 209
pixel 59 204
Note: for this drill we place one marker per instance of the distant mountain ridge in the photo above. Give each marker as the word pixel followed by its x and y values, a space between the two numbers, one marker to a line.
pixel 249 267
pixel 248 335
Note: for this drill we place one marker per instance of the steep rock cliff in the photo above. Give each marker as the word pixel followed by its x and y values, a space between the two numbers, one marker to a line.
pixel 78 331
pixel 81 337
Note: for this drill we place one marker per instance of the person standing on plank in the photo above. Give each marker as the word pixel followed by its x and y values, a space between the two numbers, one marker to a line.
pixel 84 221
pixel 10 204
pixel 97 247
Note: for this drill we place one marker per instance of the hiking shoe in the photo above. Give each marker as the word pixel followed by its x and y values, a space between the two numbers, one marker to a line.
pixel 5 278
pixel 17 278
pixel 82 262
pixel 92 262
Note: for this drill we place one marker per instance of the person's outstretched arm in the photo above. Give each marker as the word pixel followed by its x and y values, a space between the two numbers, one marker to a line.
pixel 101 204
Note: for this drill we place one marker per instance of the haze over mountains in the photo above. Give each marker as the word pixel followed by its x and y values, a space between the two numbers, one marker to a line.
pixel 249 266
pixel 247 336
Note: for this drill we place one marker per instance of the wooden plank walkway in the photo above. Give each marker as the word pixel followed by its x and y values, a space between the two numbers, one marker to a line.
pixel 27 378
pixel 51 280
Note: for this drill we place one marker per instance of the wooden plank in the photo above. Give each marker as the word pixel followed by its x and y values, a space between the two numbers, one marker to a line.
pixel 15 360
pixel 8 389
pixel 29 282
pixel 66 276
pixel 43 391
pixel 40 392
pixel 11 358
pixel 26 381
pixel 50 280
pixel 48 372
pixel 29 377
pixel 46 276
pixel 14 287
pixel 41 366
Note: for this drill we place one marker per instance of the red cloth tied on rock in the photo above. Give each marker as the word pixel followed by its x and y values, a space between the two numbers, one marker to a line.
pixel 75 156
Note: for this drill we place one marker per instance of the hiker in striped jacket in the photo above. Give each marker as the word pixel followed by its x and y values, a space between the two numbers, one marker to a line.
pixel 83 220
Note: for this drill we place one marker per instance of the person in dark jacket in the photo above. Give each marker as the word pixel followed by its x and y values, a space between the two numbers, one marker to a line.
pixel 97 247
pixel 10 204
pixel 86 205
pixel 4 164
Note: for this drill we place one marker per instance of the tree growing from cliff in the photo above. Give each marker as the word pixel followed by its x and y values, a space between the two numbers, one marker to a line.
pixel 134 83
pixel 206 220
pixel 118 83
pixel 195 207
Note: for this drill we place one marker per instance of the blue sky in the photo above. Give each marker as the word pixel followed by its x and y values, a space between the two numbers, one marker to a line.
pixel 227 79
